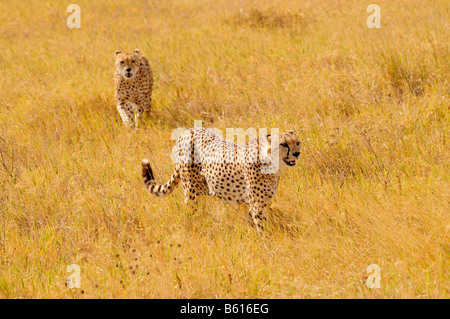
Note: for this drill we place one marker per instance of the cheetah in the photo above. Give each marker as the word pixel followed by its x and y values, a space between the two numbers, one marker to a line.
pixel 134 85
pixel 208 164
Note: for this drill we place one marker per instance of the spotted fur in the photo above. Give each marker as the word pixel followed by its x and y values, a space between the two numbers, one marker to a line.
pixel 235 176
pixel 134 85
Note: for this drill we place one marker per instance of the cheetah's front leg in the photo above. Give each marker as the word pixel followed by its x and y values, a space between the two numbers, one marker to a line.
pixel 126 114
pixel 257 213
pixel 139 112
pixel 255 200
pixel 137 118
pixel 140 108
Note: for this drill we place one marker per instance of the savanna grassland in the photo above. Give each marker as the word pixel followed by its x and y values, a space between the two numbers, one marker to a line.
pixel 371 107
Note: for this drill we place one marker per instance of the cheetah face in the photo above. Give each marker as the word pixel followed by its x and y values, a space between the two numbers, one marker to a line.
pixel 127 63
pixel 289 149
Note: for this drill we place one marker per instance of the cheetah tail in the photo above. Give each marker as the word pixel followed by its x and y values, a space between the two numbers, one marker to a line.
pixel 150 184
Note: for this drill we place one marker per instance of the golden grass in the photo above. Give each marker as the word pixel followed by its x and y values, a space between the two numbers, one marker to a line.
pixel 372 186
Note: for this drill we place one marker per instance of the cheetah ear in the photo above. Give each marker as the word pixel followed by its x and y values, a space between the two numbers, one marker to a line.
pixel 137 51
pixel 290 132
pixel 268 137
pixel 118 51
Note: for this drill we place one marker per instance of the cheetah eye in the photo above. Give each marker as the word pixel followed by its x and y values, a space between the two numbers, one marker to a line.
pixel 284 144
pixel 121 62
pixel 298 143
pixel 133 61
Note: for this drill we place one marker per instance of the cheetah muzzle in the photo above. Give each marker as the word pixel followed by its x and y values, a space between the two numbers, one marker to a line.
pixel 289 163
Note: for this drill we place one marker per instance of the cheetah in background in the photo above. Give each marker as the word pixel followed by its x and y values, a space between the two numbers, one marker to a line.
pixel 205 167
pixel 134 85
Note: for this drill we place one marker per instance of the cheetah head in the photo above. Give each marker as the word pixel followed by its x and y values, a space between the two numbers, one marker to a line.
pixel 288 148
pixel 127 63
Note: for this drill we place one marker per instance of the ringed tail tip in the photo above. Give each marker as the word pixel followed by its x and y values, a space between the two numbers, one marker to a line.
pixel 147 172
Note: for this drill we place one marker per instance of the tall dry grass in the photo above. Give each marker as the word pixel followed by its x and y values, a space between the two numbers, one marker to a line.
pixel 372 187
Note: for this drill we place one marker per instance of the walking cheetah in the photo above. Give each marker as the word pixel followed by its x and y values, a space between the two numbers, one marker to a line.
pixel 208 164
pixel 134 85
